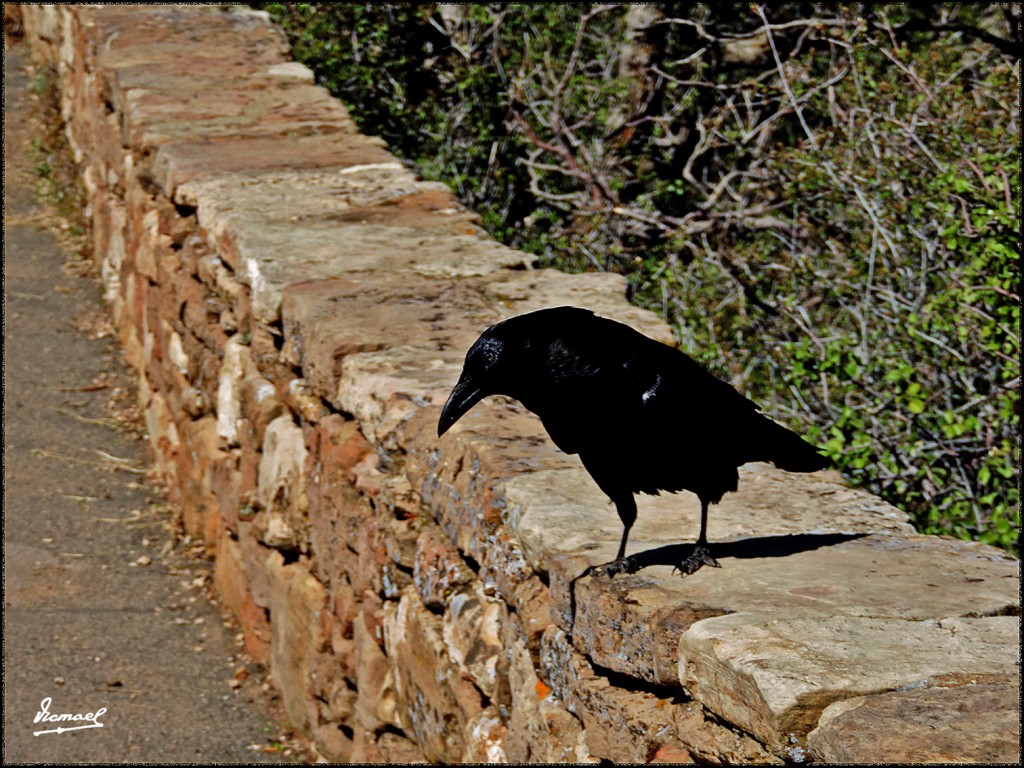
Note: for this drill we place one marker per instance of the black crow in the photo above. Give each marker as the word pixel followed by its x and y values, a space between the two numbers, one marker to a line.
pixel 642 416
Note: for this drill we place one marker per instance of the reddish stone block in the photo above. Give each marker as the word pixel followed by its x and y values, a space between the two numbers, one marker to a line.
pixel 371 556
pixel 342 444
pixel 672 754
pixel 333 745
pixel 229 580
pixel 336 510
pixel 224 483
pixel 365 750
pixel 136 290
pixel 296 601
pixel 532 601
pixel 394 748
pixel 438 568
pixel 201 451
pixel 260 405
pixel 257 561
pixel 375 700
pixel 256 630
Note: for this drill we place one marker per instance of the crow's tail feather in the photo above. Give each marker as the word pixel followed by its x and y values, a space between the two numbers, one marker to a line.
pixel 785 449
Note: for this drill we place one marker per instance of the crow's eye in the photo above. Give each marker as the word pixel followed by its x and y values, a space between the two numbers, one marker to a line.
pixel 488 352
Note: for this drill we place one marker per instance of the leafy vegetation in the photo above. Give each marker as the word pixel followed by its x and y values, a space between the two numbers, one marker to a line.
pixel 823 200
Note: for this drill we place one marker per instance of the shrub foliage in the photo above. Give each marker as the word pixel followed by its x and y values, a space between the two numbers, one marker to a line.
pixel 822 199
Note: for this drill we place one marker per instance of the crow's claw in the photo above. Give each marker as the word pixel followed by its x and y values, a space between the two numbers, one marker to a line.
pixel 700 557
pixel 614 568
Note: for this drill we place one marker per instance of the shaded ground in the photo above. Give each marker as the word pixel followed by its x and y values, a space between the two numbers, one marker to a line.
pixel 100 610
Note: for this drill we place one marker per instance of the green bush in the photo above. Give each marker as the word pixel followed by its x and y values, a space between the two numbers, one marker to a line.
pixel 823 200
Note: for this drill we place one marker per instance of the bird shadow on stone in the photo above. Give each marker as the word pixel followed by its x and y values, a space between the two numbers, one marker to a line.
pixel 755 547
pixel 758 546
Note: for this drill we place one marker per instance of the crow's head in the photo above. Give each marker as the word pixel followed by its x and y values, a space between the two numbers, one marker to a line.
pixel 481 376
pixel 511 358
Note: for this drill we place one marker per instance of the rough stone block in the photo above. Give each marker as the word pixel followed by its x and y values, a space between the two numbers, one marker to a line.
pixel 636 726
pixel 233 591
pixel 456 476
pixel 372 311
pixel 151 246
pixel 297 599
pixel 772 677
pixel 260 405
pixel 161 426
pixel 485 738
pixel 229 390
pixel 375 699
pixel 268 254
pixel 336 695
pixel 540 729
pixel 368 312
pixel 371 557
pixel 224 484
pixel 807 576
pixel 336 509
pixel 472 632
pixel 281 487
pixel 532 602
pixel 434 702
pixel 974 722
pixel 160 113
pixel 200 446
pixel 622 726
pixel 394 748
pixel 439 569
pixel 257 561
pixel 200 158
pixel 332 744
pixel 384 389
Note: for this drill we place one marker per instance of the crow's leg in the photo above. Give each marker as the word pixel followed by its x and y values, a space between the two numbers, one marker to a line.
pixel 701 555
pixel 625 505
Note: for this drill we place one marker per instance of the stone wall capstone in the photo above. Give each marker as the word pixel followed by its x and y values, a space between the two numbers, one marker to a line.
pixel 297 305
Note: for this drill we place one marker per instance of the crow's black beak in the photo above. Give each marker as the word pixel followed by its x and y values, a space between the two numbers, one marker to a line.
pixel 465 395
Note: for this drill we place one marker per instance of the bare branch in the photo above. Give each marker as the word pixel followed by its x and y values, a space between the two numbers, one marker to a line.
pixel 784 79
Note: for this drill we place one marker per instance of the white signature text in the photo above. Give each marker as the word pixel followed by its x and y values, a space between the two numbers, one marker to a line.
pixel 87 720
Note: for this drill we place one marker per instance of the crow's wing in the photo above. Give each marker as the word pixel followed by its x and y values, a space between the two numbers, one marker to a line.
pixel 605 382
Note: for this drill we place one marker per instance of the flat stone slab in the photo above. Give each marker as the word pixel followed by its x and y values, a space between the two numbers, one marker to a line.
pixel 203 158
pixel 162 113
pixel 192 39
pixel 275 229
pixel 240 209
pixel 924 578
pixel 348 194
pixel 975 722
pixel 772 677
pixel 163 78
pixel 333 319
pixel 552 512
pixel 178 76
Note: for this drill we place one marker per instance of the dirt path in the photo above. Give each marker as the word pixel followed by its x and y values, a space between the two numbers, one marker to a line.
pixel 97 612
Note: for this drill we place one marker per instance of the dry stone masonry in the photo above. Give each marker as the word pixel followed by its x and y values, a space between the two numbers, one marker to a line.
pixel 297 305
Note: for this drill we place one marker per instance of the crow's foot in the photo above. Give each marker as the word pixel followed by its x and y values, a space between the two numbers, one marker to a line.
pixel 700 557
pixel 614 568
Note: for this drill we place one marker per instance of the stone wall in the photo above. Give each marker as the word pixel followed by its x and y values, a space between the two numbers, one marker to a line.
pixel 297 306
